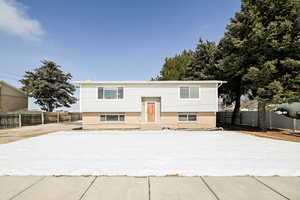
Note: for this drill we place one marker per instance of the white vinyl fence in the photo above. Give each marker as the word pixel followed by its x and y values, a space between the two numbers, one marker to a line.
pixel 249 118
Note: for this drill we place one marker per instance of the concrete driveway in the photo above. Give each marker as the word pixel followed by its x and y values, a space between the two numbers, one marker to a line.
pixel 149 188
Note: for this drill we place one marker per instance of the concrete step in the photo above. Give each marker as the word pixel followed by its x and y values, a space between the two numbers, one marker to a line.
pixel 151 127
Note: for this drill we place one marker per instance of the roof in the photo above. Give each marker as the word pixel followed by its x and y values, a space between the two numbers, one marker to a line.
pixel 12 87
pixel 149 82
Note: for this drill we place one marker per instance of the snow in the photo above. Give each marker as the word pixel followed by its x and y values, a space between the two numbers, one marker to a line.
pixel 157 153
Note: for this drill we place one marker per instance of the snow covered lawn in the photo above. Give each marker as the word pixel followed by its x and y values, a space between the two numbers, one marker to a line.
pixel 139 153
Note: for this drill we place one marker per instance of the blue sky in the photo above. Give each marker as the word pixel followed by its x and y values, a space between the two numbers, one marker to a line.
pixel 105 40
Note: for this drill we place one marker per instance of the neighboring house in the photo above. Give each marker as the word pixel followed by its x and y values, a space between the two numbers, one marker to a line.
pixel 149 104
pixel 291 109
pixel 246 104
pixel 12 99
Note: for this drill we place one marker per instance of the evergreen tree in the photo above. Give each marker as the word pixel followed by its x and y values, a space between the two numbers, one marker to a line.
pixel 50 86
pixel 273 75
pixel 259 55
pixel 174 68
pixel 236 55
pixel 203 62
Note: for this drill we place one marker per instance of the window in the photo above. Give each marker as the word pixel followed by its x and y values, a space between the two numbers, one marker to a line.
pixel 112 117
pixel 184 92
pixel 189 92
pixel 187 117
pixel 194 92
pixel 110 93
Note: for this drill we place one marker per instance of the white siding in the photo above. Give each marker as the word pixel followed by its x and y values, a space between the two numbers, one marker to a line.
pixel 169 93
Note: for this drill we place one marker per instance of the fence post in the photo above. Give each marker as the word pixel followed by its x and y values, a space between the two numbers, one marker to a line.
pixel 294 124
pixel 270 120
pixel 57 116
pixel 20 120
pixel 43 120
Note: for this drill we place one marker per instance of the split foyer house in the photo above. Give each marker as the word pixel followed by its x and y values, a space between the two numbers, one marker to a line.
pixel 12 99
pixel 149 104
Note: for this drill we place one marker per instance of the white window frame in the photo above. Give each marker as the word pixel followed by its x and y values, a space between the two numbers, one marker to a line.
pixel 118 121
pixel 189 99
pixel 116 87
pixel 187 113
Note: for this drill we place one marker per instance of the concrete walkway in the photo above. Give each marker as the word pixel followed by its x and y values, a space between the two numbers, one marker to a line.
pixel 149 188
pixel 14 134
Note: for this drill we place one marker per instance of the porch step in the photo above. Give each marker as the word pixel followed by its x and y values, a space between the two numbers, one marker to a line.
pixel 151 127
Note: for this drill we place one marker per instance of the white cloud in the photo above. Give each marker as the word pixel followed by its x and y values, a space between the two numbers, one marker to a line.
pixel 14 20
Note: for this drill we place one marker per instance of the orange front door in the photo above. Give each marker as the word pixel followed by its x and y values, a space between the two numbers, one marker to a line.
pixel 151 112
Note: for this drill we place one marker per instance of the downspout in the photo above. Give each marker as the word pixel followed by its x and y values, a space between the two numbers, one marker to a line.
pixel 220 84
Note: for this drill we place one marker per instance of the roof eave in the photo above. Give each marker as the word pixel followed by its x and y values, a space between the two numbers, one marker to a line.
pixel 149 82
pixel 13 87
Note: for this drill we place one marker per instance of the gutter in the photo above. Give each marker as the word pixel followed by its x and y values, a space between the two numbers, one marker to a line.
pixel 149 82
pixel 220 84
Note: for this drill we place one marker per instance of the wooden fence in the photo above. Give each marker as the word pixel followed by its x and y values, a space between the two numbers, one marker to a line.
pixel 13 120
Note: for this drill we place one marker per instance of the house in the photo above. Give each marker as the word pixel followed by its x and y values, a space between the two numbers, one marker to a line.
pixel 291 109
pixel 12 99
pixel 246 104
pixel 149 104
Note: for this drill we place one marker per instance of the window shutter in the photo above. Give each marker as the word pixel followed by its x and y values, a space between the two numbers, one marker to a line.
pixel 120 92
pixel 100 92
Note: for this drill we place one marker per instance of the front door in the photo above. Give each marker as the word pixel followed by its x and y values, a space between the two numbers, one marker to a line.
pixel 151 112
